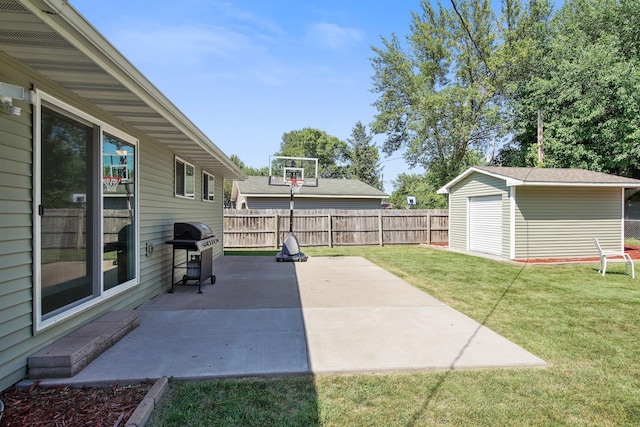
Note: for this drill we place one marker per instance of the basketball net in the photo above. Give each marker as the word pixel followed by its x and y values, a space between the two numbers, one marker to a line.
pixel 295 184
pixel 111 183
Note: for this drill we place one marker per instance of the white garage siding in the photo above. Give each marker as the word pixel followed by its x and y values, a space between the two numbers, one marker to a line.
pixel 485 224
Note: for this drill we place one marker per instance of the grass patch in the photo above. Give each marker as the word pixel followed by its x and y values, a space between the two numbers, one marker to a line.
pixel 289 401
pixel 632 242
pixel 587 327
pixel 63 255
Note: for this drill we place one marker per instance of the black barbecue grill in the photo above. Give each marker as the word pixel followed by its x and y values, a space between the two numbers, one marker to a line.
pixel 196 240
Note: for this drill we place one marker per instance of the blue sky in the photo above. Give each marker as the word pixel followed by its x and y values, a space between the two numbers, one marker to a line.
pixel 248 71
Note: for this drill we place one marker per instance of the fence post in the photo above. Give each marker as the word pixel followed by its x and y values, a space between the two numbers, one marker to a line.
pixel 330 230
pixel 380 231
pixel 79 244
pixel 428 228
pixel 277 230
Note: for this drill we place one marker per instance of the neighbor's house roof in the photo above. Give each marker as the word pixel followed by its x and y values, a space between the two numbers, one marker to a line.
pixel 258 186
pixel 51 37
pixel 546 177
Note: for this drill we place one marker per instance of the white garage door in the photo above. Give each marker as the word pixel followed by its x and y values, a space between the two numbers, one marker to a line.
pixel 485 224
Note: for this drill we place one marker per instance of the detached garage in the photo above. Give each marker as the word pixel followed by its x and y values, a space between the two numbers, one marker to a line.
pixel 529 213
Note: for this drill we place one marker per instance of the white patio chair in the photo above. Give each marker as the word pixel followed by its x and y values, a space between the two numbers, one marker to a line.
pixel 610 256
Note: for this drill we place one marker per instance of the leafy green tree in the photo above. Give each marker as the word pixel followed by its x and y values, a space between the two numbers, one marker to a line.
pixel 416 185
pixel 446 94
pixel 330 151
pixel 248 170
pixel 64 151
pixel 587 86
pixel 363 157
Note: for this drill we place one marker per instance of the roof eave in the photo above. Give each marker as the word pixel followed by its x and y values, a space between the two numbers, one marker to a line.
pixel 315 196
pixel 514 182
pixel 446 188
pixel 68 23
pixel 578 184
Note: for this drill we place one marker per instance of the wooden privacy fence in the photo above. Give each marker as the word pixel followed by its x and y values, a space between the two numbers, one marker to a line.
pixel 256 228
pixel 65 228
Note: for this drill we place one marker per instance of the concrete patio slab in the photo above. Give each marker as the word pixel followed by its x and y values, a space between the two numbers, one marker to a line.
pixel 341 314
pixel 204 344
pixel 355 282
pixel 359 317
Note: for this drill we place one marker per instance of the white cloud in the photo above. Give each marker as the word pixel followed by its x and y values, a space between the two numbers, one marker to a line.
pixel 333 36
pixel 227 52
pixel 186 43
pixel 250 20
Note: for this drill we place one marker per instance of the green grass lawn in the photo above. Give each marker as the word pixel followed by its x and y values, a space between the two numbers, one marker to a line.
pixel 632 241
pixel 587 327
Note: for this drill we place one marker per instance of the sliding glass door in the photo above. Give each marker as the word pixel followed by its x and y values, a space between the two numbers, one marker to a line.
pixel 85 211
pixel 65 211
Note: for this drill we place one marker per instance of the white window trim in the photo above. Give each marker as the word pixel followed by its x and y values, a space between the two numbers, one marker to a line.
pixel 39 324
pixel 186 195
pixel 212 190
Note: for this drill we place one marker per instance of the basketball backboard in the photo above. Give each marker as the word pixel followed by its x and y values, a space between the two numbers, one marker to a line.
pixel 284 169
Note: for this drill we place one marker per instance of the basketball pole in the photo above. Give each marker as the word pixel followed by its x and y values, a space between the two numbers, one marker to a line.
pixel 291 210
pixel 293 163
pixel 291 185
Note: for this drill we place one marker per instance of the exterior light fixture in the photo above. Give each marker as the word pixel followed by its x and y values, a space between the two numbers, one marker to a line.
pixel 8 93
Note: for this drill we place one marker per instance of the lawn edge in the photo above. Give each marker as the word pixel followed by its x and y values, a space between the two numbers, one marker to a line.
pixel 142 413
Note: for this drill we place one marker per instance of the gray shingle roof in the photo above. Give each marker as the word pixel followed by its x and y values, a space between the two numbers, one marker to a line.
pixel 559 175
pixel 327 187
pixel 547 176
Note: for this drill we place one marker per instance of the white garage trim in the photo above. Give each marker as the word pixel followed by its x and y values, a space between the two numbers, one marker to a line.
pixel 485 224
pixel 512 223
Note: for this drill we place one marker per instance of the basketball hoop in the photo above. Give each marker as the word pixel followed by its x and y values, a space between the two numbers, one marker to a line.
pixel 295 184
pixel 111 183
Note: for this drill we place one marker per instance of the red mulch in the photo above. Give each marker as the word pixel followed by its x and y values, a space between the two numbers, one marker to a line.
pixel 66 406
pixel 633 251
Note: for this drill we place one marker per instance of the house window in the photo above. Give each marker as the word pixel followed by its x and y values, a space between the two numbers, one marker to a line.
pixel 208 187
pixel 118 211
pixel 85 231
pixel 185 179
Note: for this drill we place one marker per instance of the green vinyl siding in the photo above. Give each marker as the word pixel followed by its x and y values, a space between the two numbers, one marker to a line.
pixel 562 221
pixel 15 233
pixel 475 185
pixel 158 208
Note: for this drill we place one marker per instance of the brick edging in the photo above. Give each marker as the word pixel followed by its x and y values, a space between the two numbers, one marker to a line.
pixel 141 415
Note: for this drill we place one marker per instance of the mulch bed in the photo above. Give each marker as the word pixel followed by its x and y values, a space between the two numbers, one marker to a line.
pixel 39 406
pixel 633 251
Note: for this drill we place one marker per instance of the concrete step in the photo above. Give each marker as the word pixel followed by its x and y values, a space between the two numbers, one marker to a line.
pixel 70 354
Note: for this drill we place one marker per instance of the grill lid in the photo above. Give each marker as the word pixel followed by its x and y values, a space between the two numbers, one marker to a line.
pixel 191 231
